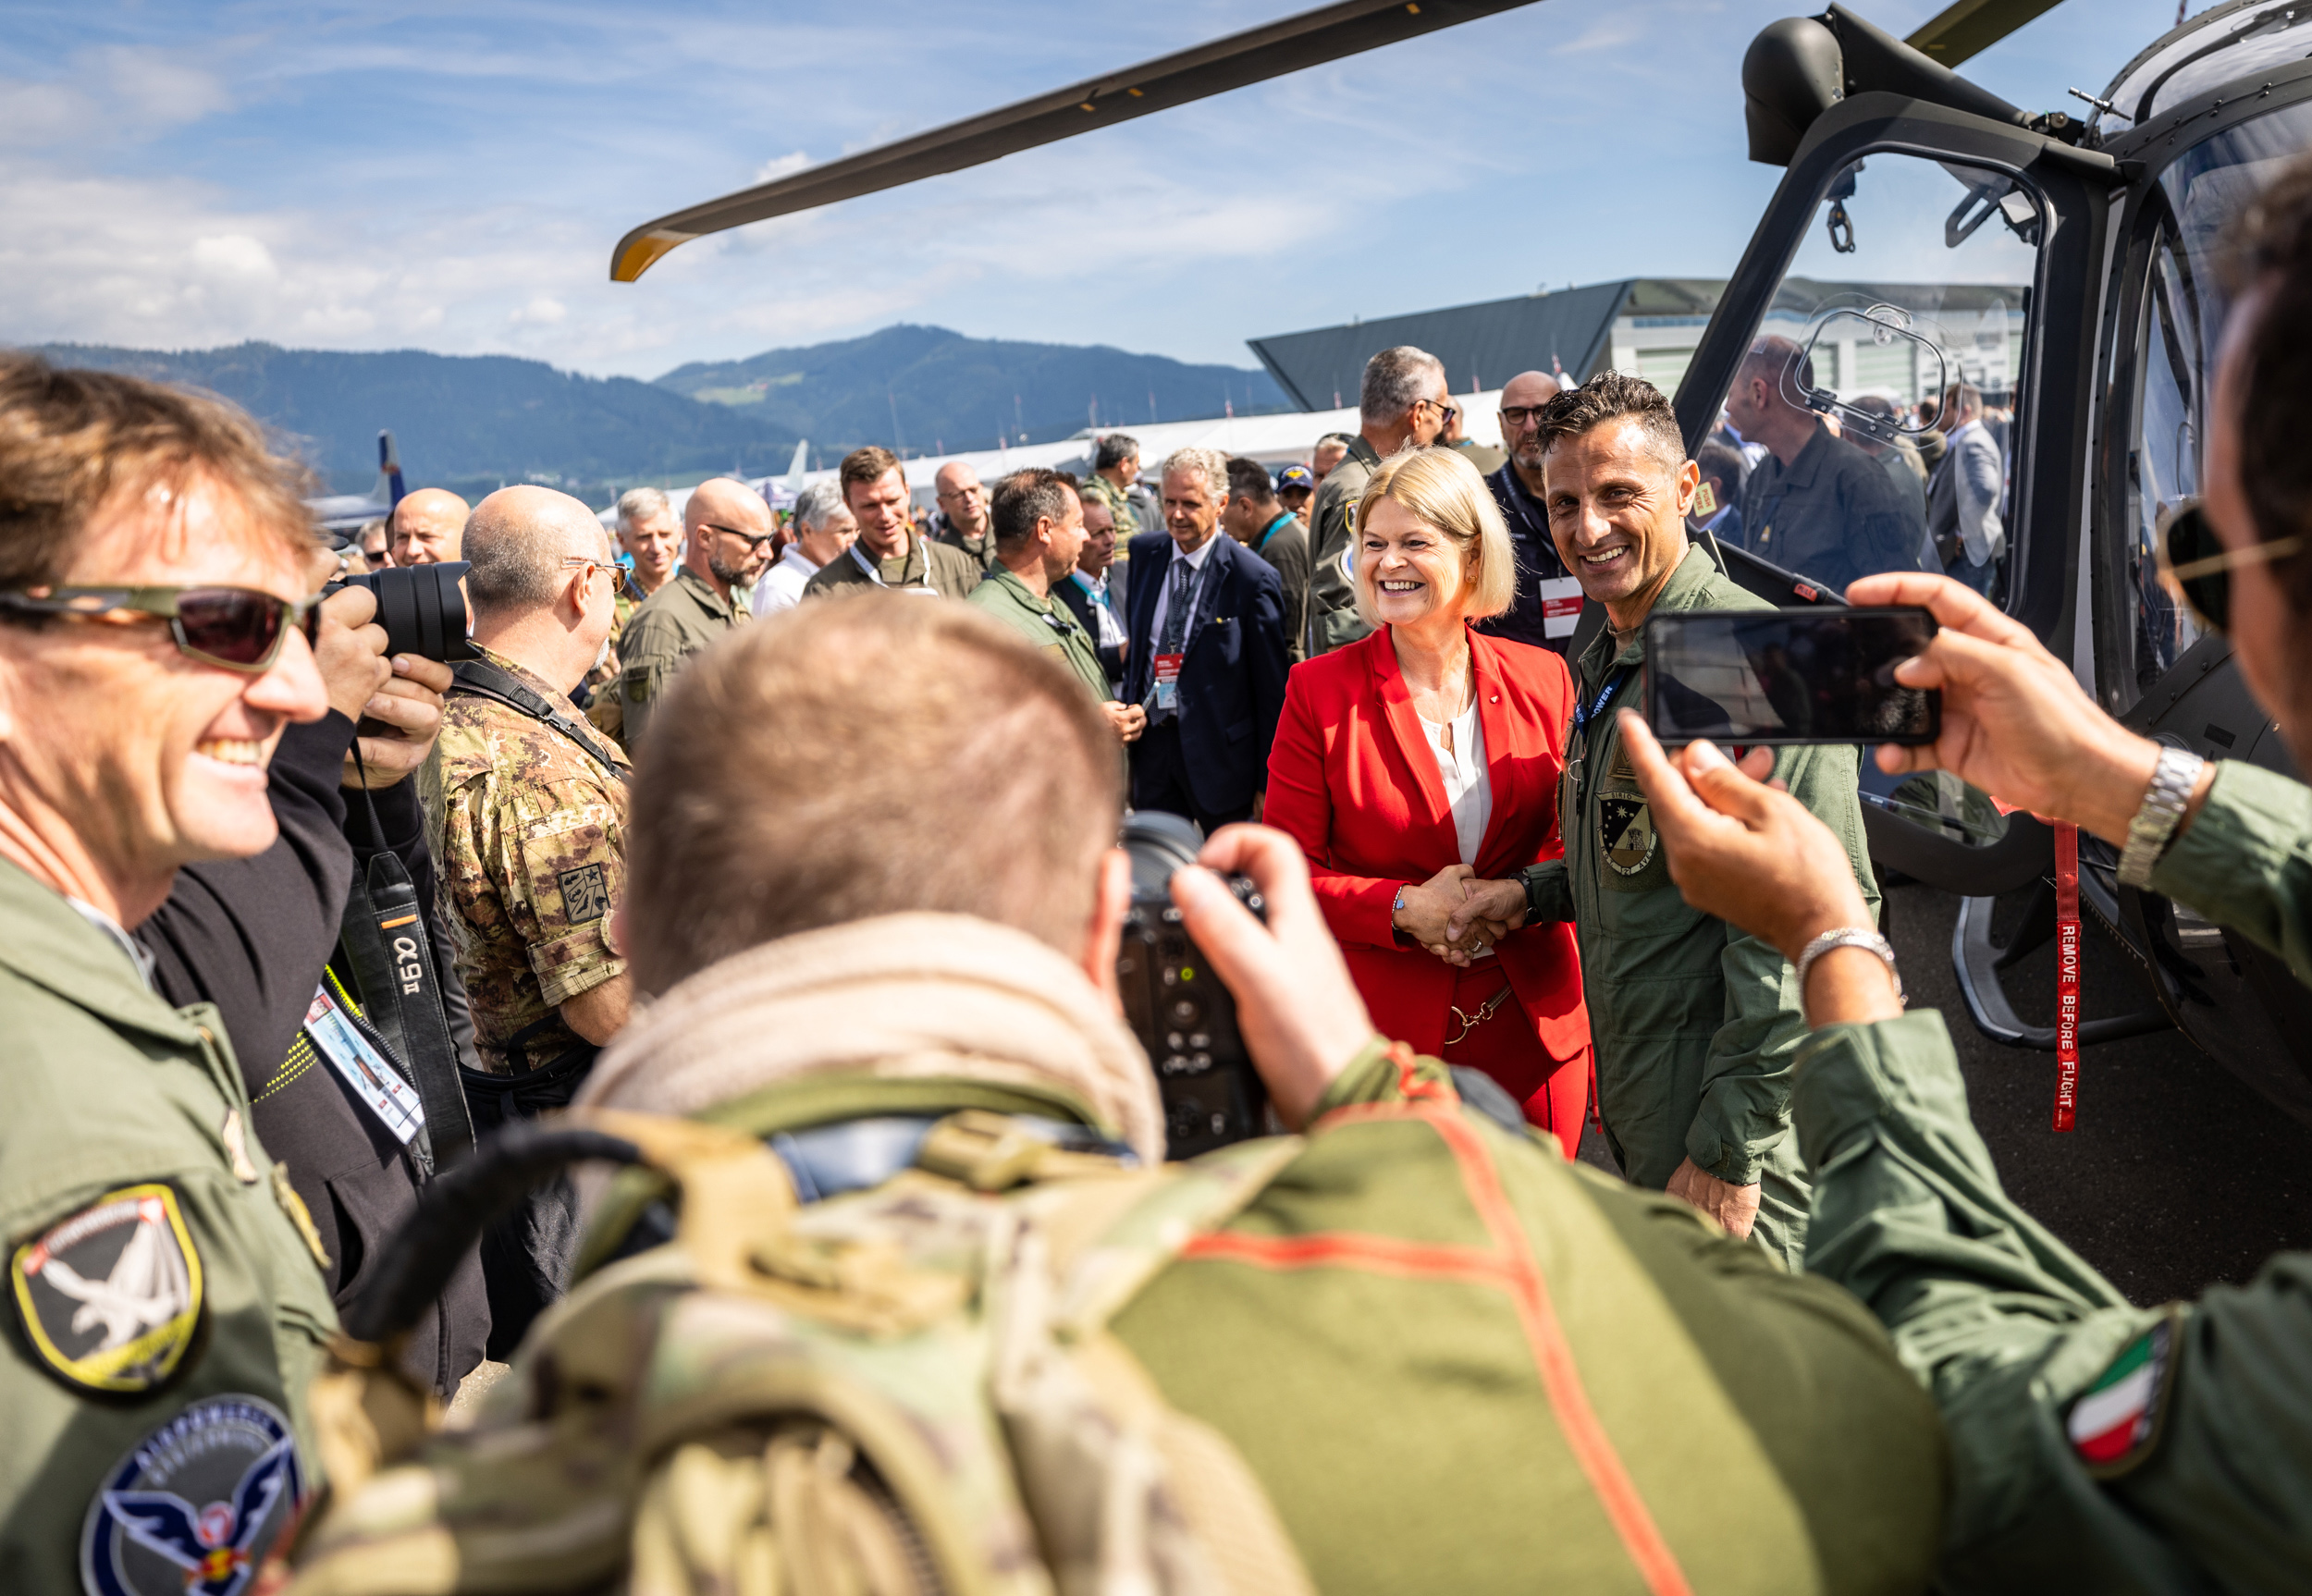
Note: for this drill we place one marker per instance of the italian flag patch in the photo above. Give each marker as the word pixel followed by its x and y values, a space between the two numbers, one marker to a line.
pixel 2113 1424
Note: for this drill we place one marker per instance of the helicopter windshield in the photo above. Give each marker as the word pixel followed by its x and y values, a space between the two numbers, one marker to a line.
pixel 2207 58
pixel 2193 201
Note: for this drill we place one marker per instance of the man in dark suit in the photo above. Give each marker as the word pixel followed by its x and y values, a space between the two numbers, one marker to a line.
pixel 1207 656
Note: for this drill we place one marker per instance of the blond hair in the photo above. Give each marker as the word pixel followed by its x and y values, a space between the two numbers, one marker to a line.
pixel 1443 490
pixel 853 708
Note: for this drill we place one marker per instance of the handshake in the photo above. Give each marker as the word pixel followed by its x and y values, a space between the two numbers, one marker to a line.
pixel 1457 915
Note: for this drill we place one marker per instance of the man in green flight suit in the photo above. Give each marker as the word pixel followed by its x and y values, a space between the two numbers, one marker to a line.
pixel 2097 1446
pixel 166 1311
pixel 728 532
pixel 1695 1022
pixel 1426 1351
pixel 1037 527
pixel 889 551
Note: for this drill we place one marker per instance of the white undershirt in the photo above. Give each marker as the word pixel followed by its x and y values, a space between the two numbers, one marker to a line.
pixel 1468 791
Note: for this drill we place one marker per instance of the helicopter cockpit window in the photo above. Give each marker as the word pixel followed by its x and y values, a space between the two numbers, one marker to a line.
pixel 2187 211
pixel 2207 58
pixel 1877 407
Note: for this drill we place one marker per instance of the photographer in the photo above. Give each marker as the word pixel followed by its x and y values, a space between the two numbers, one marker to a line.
pixel 1414 1349
pixel 251 936
pixel 2098 1447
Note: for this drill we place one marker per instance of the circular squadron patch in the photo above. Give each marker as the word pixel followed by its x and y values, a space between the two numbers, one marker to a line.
pixel 1625 831
pixel 195 1505
pixel 110 1297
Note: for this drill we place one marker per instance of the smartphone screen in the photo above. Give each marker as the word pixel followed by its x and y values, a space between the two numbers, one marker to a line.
pixel 1776 676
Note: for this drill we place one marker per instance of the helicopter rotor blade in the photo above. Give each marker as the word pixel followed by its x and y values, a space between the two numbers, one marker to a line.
pixel 1971 27
pixel 1327 33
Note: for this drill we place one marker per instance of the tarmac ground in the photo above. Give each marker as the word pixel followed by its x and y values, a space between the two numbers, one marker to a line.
pixel 2175 1177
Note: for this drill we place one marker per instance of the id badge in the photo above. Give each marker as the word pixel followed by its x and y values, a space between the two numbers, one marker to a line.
pixel 1168 679
pixel 377 1082
pixel 1561 605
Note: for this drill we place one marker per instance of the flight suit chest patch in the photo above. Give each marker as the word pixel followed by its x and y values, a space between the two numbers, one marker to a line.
pixel 110 1297
pixel 1625 838
pixel 192 1509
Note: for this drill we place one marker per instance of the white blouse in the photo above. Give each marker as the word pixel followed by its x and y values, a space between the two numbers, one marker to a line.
pixel 1459 748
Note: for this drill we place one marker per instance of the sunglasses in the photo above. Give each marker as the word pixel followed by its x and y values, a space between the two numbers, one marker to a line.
pixel 1448 411
pixel 747 539
pixel 238 628
pixel 2194 561
pixel 621 580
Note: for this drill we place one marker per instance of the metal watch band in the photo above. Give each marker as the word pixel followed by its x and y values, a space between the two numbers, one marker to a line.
pixel 1847 936
pixel 2148 834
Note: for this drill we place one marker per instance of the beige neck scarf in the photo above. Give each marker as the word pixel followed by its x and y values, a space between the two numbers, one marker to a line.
pixel 903 996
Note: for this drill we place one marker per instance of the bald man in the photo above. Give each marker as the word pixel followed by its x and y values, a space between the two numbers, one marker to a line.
pixel 964 514
pixel 429 527
pixel 525 811
pixel 1548 600
pixel 728 533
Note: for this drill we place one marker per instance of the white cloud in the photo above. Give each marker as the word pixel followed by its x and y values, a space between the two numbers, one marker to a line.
pixel 234 258
pixel 541 311
pixel 784 167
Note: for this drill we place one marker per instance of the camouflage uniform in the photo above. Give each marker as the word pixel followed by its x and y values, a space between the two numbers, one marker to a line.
pixel 528 836
pixel 669 627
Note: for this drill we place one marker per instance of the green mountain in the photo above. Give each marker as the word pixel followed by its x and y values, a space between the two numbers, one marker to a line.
pixel 933 389
pixel 471 422
pixel 462 421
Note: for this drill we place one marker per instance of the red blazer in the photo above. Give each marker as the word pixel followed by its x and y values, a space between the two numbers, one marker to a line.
pixel 1351 778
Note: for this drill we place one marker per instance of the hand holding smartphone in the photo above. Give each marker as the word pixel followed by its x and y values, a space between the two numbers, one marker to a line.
pixel 1769 677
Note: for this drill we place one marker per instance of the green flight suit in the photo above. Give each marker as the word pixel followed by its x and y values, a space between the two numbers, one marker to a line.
pixel 1695 1022
pixel 979 550
pixel 1332 601
pixel 159 1268
pixel 1050 627
pixel 666 629
pixel 931 567
pixel 2097 1446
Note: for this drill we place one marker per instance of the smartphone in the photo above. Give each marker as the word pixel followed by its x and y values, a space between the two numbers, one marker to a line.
pixel 1821 674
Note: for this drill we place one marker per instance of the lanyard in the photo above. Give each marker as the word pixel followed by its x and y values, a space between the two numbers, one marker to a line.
pixel 1271 532
pixel 1582 716
pixel 2066 974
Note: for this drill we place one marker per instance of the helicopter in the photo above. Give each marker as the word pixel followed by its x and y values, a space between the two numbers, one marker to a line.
pixel 2088 299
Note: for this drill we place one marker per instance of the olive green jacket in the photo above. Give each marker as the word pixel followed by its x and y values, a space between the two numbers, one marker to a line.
pixel 1695 1022
pixel 109 1088
pixel 1332 601
pixel 929 566
pixel 1050 627
pixel 2097 1446
pixel 666 629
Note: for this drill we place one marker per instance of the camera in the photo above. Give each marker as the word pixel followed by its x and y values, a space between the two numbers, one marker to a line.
pixel 422 608
pixel 1183 1014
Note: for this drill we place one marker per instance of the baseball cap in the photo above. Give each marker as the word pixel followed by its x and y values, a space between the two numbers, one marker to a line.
pixel 1295 477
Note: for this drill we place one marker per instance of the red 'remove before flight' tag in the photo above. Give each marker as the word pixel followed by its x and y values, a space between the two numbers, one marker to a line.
pixel 2066 974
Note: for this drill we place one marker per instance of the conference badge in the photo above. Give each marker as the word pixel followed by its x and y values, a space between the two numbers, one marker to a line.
pixel 111 1296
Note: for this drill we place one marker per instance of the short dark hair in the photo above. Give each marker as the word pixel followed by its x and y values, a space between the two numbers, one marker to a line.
pixel 1025 497
pixel 72 441
pixel 1250 479
pixel 864 468
pixel 858 705
pixel 1114 449
pixel 1722 461
pixel 2269 245
pixel 1611 396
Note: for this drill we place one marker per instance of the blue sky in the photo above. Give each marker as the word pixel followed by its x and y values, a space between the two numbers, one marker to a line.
pixel 453 177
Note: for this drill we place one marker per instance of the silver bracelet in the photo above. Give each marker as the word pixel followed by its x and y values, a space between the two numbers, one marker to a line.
pixel 2148 834
pixel 1847 936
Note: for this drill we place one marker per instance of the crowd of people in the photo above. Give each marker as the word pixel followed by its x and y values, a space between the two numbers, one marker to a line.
pixel 334 973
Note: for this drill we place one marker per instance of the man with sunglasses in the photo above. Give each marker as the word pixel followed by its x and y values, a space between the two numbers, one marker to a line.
pixel 730 534
pixel 526 813
pixel 1548 600
pixel 168 1312
pixel 2099 1445
pixel 1401 401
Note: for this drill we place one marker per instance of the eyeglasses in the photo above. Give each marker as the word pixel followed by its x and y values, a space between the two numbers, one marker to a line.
pixel 238 628
pixel 1516 416
pixel 1447 410
pixel 621 580
pixel 747 539
pixel 2193 560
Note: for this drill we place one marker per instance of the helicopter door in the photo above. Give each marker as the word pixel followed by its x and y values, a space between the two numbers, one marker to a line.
pixel 1914 254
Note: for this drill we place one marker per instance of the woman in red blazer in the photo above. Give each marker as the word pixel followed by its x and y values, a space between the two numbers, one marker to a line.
pixel 1427 756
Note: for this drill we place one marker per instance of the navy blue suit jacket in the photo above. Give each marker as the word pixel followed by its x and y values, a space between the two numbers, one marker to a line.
pixel 1232 683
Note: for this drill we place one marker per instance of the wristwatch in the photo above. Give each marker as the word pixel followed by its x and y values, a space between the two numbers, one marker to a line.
pixel 2148 834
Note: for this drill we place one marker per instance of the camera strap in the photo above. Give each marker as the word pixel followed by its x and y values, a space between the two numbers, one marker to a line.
pixel 383 937
pixel 481 679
